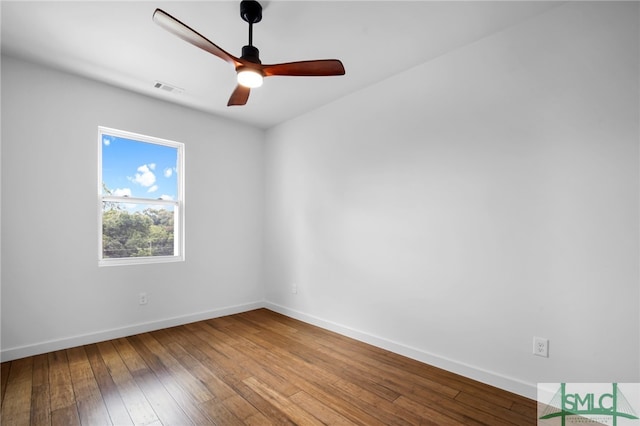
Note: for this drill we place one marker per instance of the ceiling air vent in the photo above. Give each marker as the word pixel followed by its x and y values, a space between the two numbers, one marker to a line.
pixel 167 87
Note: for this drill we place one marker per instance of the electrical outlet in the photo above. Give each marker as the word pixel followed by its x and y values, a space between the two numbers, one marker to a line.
pixel 294 288
pixel 142 299
pixel 541 346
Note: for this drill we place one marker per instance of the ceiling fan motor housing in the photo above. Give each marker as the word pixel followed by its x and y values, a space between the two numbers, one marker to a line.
pixel 251 54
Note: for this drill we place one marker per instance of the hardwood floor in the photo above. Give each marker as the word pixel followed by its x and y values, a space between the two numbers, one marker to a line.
pixel 254 368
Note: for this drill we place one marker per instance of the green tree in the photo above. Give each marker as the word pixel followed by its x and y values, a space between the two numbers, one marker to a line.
pixel 147 233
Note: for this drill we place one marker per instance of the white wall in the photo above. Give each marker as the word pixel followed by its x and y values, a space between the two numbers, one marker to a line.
pixel 54 295
pixel 458 209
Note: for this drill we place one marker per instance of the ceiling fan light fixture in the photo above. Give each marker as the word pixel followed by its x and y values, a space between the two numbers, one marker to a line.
pixel 250 70
pixel 251 78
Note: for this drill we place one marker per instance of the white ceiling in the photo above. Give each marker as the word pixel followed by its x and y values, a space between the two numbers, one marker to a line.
pixel 118 43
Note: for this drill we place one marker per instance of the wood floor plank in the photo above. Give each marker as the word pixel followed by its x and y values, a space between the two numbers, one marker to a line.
pixel 166 408
pixel 267 322
pixel 240 407
pixel 182 398
pixel 526 408
pixel 134 400
pixel 215 351
pixel 487 393
pixel 325 414
pixel 212 348
pixel 244 359
pixel 4 377
pixel 490 408
pixel 129 356
pixel 16 408
pixel 452 408
pixel 294 412
pixel 317 385
pixel 433 416
pixel 112 400
pixel 236 327
pixel 89 400
pixel 290 357
pixel 40 406
pixel 320 385
pixel 190 384
pixel 253 368
pixel 367 378
pixel 225 360
pixel 399 380
pixel 259 419
pixel 216 410
pixel 460 383
pixel 65 416
pixel 386 411
pixel 272 413
pixel 255 362
pixel 40 395
pixel 60 385
pixel 185 353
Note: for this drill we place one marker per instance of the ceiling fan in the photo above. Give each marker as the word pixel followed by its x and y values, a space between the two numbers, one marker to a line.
pixel 249 69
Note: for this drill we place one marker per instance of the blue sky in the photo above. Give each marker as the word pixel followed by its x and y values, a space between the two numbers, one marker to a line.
pixel 139 169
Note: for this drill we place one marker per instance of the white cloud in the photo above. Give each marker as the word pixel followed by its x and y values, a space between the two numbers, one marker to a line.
pixel 122 192
pixel 168 172
pixel 154 188
pixel 145 177
pixel 152 166
pixel 166 197
pixel 106 141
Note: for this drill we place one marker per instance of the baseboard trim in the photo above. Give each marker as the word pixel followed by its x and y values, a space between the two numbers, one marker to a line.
pixel 528 390
pixel 86 339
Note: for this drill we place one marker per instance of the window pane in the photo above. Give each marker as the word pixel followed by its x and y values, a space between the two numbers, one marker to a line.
pixel 132 168
pixel 137 230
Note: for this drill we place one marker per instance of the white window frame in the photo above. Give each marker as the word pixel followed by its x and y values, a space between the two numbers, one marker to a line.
pixel 178 204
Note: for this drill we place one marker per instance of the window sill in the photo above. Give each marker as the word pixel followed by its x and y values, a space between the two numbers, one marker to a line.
pixel 139 260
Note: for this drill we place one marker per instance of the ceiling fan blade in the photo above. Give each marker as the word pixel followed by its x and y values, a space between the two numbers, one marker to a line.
pixel 239 96
pixel 190 35
pixel 318 68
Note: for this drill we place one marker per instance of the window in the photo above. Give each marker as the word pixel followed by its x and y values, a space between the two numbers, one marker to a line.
pixel 141 198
